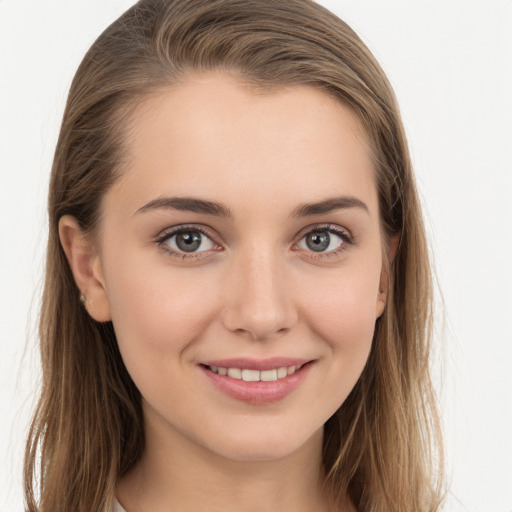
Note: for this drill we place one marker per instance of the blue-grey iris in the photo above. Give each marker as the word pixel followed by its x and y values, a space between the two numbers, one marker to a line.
pixel 318 241
pixel 188 241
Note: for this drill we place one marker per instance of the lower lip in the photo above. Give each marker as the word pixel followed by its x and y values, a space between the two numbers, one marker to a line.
pixel 258 392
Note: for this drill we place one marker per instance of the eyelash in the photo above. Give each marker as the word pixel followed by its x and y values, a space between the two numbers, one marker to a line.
pixel 346 237
pixel 160 241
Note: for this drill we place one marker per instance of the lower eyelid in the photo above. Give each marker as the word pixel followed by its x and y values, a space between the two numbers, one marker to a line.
pixel 346 237
pixel 205 241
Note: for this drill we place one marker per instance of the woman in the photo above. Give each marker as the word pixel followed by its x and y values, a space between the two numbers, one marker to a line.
pixel 237 304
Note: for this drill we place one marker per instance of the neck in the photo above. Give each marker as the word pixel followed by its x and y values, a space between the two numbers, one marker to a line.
pixel 177 474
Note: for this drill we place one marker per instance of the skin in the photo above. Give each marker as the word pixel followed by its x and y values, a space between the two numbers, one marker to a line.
pixel 255 290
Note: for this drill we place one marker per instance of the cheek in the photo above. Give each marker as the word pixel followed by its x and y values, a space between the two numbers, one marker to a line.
pixel 343 306
pixel 159 312
pixel 342 315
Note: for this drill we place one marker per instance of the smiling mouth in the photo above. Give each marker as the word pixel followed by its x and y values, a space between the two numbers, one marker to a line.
pixel 250 375
pixel 257 382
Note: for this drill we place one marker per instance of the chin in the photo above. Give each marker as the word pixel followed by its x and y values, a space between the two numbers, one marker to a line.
pixel 268 446
pixel 258 453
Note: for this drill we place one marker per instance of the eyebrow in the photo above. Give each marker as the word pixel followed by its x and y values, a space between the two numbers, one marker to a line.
pixel 195 205
pixel 188 204
pixel 328 205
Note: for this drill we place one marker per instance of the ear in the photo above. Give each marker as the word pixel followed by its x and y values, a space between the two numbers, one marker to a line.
pixel 85 264
pixel 384 275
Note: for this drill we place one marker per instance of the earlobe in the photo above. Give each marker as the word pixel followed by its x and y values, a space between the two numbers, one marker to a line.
pixel 393 247
pixel 382 296
pixel 384 276
pixel 85 265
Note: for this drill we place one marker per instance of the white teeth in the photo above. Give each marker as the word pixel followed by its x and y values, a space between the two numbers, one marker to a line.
pixel 268 375
pixel 235 373
pixel 248 375
pixel 282 372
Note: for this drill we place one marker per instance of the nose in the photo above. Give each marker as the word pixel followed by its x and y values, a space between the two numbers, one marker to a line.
pixel 258 300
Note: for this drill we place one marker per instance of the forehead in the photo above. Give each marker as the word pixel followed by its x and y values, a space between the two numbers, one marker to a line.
pixel 213 135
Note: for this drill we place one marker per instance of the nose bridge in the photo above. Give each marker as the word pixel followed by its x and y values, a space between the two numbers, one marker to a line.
pixel 259 299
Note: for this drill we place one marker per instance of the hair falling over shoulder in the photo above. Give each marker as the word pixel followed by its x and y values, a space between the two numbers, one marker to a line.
pixel 383 446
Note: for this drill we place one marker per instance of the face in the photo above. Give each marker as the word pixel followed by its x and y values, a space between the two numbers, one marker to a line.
pixel 240 261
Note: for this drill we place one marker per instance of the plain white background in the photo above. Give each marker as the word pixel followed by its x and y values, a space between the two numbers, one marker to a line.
pixel 450 62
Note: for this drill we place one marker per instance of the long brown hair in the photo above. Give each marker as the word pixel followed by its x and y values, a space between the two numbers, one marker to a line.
pixel 383 445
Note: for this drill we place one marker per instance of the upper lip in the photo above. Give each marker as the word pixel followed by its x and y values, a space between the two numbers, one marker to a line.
pixel 257 364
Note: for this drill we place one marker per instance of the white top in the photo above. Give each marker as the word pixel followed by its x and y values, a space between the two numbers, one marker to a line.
pixel 117 507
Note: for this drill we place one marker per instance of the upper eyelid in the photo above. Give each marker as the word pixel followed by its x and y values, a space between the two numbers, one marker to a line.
pixel 171 231
pixel 333 228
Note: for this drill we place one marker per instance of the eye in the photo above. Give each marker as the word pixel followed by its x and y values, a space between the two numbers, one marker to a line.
pixel 324 240
pixel 186 240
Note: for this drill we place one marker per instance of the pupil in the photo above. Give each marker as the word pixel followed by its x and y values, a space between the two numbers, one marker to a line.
pixel 318 241
pixel 188 241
